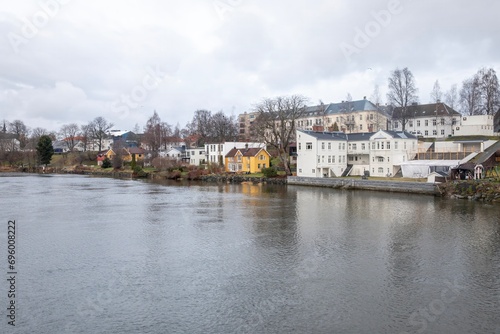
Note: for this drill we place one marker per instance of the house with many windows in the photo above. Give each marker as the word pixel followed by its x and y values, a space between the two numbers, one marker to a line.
pixel 247 160
pixel 435 120
pixel 474 125
pixel 331 154
pixel 321 154
pixel 349 116
pixel 216 152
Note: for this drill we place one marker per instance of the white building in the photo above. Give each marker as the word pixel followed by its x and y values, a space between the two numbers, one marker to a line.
pixel 435 120
pixel 388 149
pixel 215 152
pixel 196 155
pixel 476 125
pixel 330 154
pixel 321 154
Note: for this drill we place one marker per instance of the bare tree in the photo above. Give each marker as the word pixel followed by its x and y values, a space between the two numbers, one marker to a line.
pixel 85 134
pixel 276 123
pixel 98 128
pixel 378 122
pixel 436 94
pixel 451 96
pixel 402 92
pixel 153 134
pixel 69 133
pixel 224 128
pixel 488 83
pixel 21 131
pixel 201 126
pixel 470 96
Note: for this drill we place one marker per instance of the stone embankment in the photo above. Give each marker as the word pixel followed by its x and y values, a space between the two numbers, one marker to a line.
pixel 391 186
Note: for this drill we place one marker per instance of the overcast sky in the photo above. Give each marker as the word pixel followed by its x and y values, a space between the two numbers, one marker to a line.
pixel 65 61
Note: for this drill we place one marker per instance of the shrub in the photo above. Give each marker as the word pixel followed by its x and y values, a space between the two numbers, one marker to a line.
pixel 269 172
pixel 106 163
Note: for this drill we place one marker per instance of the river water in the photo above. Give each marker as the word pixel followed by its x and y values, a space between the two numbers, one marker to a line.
pixel 101 255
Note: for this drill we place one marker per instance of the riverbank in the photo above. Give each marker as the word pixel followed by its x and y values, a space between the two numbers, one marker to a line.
pixel 475 190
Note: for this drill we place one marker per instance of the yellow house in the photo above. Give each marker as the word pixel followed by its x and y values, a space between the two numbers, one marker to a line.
pixel 247 160
pixel 126 154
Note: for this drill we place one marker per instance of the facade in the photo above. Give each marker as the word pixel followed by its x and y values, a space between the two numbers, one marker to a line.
pixel 321 154
pixel 175 153
pixel 215 152
pixel 435 120
pixel 350 116
pixel 476 125
pixel 247 160
pixel 127 154
pixel 246 120
pixel 389 149
pixel 333 154
pixel 196 155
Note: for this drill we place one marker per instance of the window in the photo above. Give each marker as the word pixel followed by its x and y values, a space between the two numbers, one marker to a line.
pixel 354 147
pixel 300 170
pixel 442 121
pixel 418 123
pixel 333 159
pixel 309 146
pixel 239 158
pixel 371 116
pixel 262 157
pixel 410 124
pixel 360 117
pixel 263 165
pixel 313 171
pixel 404 145
pixel 378 145
pixel 396 125
pixel 322 159
pixel 300 146
pixel 426 122
pixel 258 166
pixel 380 159
pixel 373 145
pixel 340 146
pixel 381 170
pixel 388 145
pixel 426 133
pixel 361 126
pixel 329 159
pixel 323 145
pixel 388 159
pixel 343 146
pixel 442 132
pixel 382 145
pixel 434 122
pixel 434 132
pixel 363 146
pixel 396 145
pixel 319 159
pixel 329 146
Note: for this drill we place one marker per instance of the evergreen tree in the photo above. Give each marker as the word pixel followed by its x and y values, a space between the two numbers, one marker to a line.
pixel 44 149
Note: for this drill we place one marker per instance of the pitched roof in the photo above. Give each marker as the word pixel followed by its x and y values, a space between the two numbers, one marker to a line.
pixel 326 135
pixel 426 110
pixel 136 150
pixel 246 152
pixel 349 106
pixel 359 136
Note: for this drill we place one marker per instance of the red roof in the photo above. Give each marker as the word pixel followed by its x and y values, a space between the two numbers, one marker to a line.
pixel 246 152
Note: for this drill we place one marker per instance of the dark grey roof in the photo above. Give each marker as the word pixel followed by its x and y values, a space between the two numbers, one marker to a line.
pixel 349 106
pixel 401 134
pixel 360 136
pixel 425 110
pixel 326 135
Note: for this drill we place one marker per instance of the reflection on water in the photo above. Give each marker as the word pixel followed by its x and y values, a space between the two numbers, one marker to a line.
pixel 122 256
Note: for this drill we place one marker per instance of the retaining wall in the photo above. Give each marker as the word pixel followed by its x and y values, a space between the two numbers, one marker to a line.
pixel 392 186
